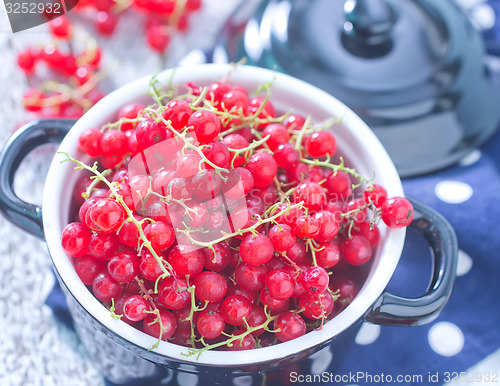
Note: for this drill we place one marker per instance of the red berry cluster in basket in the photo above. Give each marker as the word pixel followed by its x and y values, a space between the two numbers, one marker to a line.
pixel 211 222
pixel 163 18
pixel 63 82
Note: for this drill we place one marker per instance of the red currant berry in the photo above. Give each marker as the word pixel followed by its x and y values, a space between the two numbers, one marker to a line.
pixel 75 239
pixel 283 237
pixel 316 306
pixel 124 266
pixel 338 184
pixel 250 277
pixel 312 194
pixel 289 326
pixel 135 307
pixel 210 287
pixel 245 343
pixel 105 216
pixel 234 309
pixel 263 168
pixel 105 288
pixel 186 260
pixel 286 156
pixel 315 280
pixel 328 226
pixel 103 245
pixel 356 250
pixel 210 324
pixel 320 144
pixel 114 142
pixel 87 268
pixel 278 135
pixel 236 141
pixel 160 234
pixel 158 38
pixel 279 284
pixel 397 212
pixel 307 226
pixel 376 194
pixel 173 293
pixel 177 111
pixel 161 330
pixel 256 249
pixel 328 255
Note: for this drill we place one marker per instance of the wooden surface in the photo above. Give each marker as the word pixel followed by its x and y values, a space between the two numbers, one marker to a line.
pixel 34 348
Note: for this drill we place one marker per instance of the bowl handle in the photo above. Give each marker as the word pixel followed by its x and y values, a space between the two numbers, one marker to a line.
pixel 32 135
pixel 401 311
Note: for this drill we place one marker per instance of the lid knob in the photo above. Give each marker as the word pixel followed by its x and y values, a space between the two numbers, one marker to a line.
pixel 368 26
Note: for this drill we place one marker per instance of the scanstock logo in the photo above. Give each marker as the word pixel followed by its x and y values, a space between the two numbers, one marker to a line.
pixel 25 14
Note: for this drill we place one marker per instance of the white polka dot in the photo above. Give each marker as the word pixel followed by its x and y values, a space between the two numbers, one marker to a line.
pixel 483 16
pixel 446 339
pixel 187 379
pixel 321 360
pixel 368 333
pixel 244 380
pixel 471 158
pixel 464 263
pixel 453 192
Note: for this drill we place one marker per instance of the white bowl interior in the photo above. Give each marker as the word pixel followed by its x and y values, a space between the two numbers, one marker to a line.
pixel 355 140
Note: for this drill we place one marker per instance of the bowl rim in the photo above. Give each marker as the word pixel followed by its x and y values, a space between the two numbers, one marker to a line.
pixel 56 183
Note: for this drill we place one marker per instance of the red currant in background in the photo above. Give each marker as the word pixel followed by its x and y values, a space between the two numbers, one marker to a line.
pixel 158 38
pixel 397 212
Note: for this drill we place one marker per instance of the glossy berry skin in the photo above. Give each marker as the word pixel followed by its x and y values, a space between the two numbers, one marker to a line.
pixel 210 287
pixel 160 234
pixel 328 226
pixel 205 125
pixel 103 245
pixel 397 212
pixel 87 268
pixel 307 226
pixel 149 133
pixel 256 250
pixel 263 168
pixel 134 308
pixel 173 293
pixel 283 237
pixel 275 305
pixel 236 141
pixel 286 156
pixel 312 194
pixel 149 267
pixel 186 260
pixel 246 343
pixel 250 277
pixel 279 284
pixel 210 324
pixel 178 113
pixel 124 266
pixel 219 260
pixel 234 308
pixel 291 326
pixel 105 288
pixel 329 255
pixel 75 239
pixel 320 144
pixel 89 142
pixel 316 306
pixel 368 231
pixel 217 153
pixel 278 135
pixel 338 185
pixel 105 216
pixel 376 194
pixel 315 280
pixel 267 111
pixel 164 331
pixel 356 250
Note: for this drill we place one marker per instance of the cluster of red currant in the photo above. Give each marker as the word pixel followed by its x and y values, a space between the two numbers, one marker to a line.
pixel 217 224
pixel 163 17
pixel 63 83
